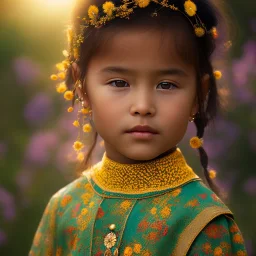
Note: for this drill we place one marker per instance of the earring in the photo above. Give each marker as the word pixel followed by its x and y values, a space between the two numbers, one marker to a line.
pixel 191 119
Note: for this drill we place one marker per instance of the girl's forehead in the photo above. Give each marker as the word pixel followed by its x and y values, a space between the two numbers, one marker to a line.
pixel 137 46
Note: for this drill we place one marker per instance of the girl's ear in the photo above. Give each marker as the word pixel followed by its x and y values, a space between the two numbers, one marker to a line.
pixel 80 91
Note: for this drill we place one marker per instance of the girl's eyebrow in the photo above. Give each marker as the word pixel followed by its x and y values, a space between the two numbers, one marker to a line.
pixel 122 70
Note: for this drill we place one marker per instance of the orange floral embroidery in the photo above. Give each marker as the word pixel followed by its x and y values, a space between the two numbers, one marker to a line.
pixel 193 203
pixel 176 192
pixel 153 210
pixel 234 228
pixel 137 248
pixel 66 199
pixel 203 196
pixel 166 212
pixel 215 231
pixel 143 225
pixel 157 224
pixel 125 204
pixel 207 247
pixel 237 238
pixel 146 253
pixel 217 251
pixel 153 236
pixel 241 253
pixel 100 213
pixel 128 251
pixel 225 245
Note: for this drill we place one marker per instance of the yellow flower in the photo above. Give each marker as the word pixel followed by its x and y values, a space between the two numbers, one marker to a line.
pixel 214 32
pixel 142 3
pixel 76 53
pixel 199 31
pixel 70 34
pixel 61 88
pixel 108 8
pixel 217 74
pixel 196 142
pixel 80 157
pixel 60 66
pixel 153 210
pixel 65 63
pixel 78 145
pixel 137 248
pixel 70 109
pixel 166 212
pixel 217 251
pixel 93 12
pixel 212 174
pixel 190 8
pixel 68 95
pixel 84 111
pixel 65 53
pixel 128 251
pixel 76 123
pixel 54 77
pixel 62 75
pixel 87 128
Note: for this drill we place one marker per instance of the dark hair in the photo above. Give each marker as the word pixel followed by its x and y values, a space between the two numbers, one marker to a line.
pixel 199 52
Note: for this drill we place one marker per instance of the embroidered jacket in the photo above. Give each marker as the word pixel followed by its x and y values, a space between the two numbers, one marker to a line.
pixel 160 207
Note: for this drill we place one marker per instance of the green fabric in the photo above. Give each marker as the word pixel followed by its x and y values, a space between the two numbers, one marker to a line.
pixel 77 218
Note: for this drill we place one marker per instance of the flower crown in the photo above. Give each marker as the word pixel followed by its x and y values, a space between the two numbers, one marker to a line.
pixel 109 11
pixel 97 19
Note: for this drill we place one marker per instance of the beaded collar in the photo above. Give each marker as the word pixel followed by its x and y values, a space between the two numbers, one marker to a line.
pixel 168 172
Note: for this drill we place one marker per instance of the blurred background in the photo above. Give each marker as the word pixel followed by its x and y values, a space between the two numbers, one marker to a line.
pixel 36 132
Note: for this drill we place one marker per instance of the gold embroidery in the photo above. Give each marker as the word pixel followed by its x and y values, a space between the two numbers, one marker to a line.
pixel 190 233
pixel 163 173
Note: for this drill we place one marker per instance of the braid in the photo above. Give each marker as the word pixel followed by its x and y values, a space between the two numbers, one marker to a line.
pixel 200 125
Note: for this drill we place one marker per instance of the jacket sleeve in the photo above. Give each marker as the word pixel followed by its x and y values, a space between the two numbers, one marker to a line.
pixel 44 239
pixel 221 236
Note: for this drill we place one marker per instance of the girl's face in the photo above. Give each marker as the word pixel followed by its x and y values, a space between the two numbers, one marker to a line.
pixel 138 78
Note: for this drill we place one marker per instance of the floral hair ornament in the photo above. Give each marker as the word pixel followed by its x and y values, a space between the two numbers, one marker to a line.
pixel 99 16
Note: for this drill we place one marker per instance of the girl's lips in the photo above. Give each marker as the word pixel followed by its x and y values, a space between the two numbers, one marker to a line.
pixel 142 135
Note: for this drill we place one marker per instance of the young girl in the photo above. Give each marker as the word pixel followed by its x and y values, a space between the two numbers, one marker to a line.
pixel 141 70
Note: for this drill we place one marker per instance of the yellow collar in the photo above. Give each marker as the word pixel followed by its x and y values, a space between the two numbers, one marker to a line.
pixel 168 172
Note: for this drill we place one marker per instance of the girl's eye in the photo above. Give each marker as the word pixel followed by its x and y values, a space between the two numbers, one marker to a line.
pixel 167 85
pixel 121 83
pixel 118 83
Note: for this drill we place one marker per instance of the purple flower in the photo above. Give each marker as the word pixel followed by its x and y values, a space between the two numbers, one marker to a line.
pixel 7 203
pixel 40 147
pixel 38 109
pixel 223 137
pixel 24 178
pixel 250 186
pixel 26 70
pixel 243 69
